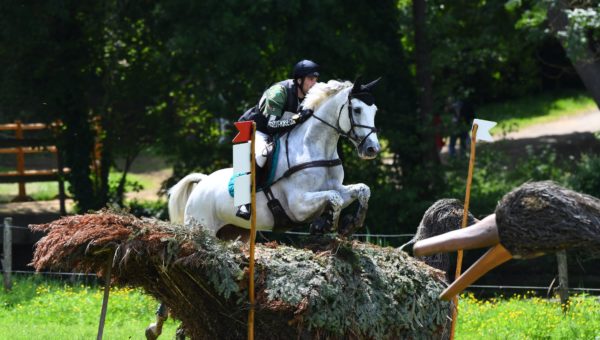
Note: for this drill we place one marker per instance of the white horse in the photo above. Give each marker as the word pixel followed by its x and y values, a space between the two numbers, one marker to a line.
pixel 315 188
pixel 308 178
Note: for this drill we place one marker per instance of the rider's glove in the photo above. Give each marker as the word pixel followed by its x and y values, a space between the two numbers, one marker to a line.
pixel 302 116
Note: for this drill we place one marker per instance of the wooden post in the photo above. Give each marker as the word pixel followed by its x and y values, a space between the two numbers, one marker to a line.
pixel 20 162
pixel 7 258
pixel 61 182
pixel 107 275
pixel 464 224
pixel 252 234
pixel 563 278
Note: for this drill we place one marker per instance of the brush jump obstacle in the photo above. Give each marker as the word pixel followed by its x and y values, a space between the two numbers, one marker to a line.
pixel 330 288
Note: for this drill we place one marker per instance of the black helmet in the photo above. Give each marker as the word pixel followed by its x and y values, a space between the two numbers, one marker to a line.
pixel 305 68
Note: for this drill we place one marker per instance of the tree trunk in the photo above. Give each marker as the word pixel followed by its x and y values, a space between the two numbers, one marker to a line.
pixel 424 78
pixel 587 63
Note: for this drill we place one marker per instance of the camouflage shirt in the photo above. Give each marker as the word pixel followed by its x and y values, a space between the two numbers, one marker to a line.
pixel 274 101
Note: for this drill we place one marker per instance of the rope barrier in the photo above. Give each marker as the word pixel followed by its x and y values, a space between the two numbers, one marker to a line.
pixel 303 233
pixel 531 288
pixel 498 287
pixel 31 272
pixel 14 227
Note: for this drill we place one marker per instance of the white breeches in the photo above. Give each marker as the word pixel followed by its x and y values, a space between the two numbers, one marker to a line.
pixel 260 148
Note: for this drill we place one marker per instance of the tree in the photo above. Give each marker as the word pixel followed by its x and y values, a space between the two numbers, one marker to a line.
pixel 44 56
pixel 576 25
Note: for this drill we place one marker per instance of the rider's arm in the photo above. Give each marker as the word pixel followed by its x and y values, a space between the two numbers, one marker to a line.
pixel 276 126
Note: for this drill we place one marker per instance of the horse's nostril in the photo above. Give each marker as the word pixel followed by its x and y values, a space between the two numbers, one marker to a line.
pixel 371 150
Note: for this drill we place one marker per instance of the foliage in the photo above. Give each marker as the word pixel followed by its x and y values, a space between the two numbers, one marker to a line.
pixel 583 23
pixel 52 309
pixel 496 174
pixel 156 209
pixel 586 175
pixel 528 317
pixel 380 300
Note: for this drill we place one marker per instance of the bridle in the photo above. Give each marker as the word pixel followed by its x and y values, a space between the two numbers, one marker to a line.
pixel 350 134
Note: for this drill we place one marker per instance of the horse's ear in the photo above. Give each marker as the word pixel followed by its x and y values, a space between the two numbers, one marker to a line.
pixel 357 87
pixel 369 86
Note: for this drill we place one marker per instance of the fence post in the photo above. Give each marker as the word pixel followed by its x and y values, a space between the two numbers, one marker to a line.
pixel 20 163
pixel 7 258
pixel 563 278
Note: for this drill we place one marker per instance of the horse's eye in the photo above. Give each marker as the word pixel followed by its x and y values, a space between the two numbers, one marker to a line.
pixel 357 110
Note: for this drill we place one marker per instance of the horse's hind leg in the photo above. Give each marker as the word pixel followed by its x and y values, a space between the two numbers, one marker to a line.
pixel 155 329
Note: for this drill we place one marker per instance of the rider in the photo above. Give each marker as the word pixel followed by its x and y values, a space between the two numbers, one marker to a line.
pixel 284 96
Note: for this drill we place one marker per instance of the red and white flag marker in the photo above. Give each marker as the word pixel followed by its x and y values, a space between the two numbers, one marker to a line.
pixel 244 187
pixel 479 131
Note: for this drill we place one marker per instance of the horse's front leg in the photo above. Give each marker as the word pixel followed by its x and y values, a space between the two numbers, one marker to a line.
pixel 350 193
pixel 306 205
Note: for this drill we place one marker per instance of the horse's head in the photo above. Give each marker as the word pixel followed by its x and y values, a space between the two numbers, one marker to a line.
pixel 359 122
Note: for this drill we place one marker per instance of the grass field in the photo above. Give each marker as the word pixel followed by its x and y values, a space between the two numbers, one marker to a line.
pixel 43 309
pixel 517 114
pixel 528 317
pixel 43 191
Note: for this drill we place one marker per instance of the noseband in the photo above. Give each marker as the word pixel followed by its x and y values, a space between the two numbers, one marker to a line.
pixel 350 134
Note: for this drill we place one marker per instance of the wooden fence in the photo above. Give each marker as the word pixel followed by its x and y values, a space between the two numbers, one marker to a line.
pixel 21 146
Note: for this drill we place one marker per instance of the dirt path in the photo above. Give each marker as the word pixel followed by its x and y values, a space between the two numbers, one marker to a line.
pixel 585 122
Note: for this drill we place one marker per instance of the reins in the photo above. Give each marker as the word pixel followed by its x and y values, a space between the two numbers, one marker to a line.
pixel 350 134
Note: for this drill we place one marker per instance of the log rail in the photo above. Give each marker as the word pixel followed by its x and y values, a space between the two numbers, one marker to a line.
pixel 20 146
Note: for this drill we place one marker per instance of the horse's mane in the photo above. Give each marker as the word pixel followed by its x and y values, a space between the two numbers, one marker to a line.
pixel 322 91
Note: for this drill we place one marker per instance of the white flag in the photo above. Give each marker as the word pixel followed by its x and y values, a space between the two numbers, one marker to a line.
pixel 241 158
pixel 241 190
pixel 483 129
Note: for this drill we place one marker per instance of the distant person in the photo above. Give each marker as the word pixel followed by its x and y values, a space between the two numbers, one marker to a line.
pixel 438 130
pixel 284 96
pixel 463 113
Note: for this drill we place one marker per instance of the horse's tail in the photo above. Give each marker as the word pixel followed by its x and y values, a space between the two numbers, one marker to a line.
pixel 179 194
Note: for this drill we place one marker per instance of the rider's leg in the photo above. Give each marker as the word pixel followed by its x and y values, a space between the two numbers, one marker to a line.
pixel 155 329
pixel 260 153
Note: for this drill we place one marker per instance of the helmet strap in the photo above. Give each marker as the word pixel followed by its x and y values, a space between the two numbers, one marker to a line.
pixel 302 86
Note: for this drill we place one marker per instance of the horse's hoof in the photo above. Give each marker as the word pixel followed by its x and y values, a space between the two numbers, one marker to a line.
pixel 180 333
pixel 151 332
pixel 320 226
pixel 349 225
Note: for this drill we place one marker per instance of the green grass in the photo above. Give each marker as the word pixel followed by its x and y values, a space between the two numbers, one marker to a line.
pixel 42 309
pixel 44 191
pixel 528 317
pixel 38 308
pixel 39 191
pixel 523 112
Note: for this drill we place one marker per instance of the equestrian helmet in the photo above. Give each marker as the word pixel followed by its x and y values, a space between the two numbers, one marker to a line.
pixel 306 68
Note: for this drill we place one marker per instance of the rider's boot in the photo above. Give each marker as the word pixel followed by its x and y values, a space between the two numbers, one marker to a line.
pixel 244 211
pixel 155 329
